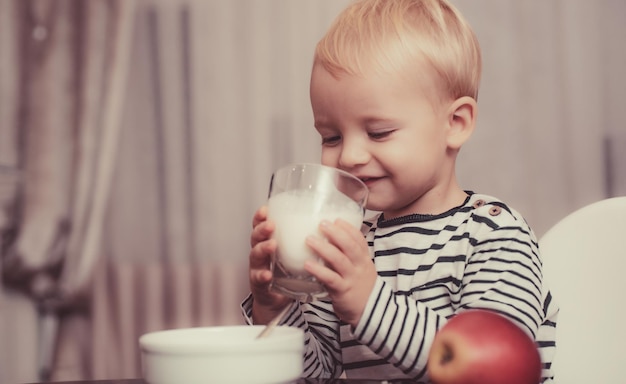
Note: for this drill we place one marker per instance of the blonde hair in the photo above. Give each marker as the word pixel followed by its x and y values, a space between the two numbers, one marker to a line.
pixel 392 35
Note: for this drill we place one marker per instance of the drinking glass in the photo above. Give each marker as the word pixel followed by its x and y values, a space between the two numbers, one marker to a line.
pixel 300 197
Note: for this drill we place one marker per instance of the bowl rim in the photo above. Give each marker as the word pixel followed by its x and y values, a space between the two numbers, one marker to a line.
pixel 283 337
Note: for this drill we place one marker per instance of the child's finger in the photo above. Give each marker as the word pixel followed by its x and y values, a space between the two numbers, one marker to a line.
pixel 260 277
pixel 355 233
pixel 344 236
pixel 261 232
pixel 332 256
pixel 259 216
pixel 327 276
pixel 260 254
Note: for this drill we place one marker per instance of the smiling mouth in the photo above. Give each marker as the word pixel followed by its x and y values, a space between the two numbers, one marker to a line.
pixel 369 180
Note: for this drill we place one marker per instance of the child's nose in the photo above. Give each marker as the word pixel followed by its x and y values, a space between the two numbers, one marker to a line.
pixel 353 153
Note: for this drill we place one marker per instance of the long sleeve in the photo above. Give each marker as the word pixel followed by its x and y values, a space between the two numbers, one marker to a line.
pixel 481 255
pixel 504 274
pixel 322 353
pixel 398 330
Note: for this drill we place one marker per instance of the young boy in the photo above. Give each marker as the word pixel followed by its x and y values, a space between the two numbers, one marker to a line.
pixel 393 90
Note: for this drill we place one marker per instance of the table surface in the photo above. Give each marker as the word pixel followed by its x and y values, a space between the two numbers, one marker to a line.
pixel 301 381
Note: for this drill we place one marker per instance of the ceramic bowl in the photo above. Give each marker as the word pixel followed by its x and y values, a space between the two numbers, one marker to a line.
pixel 226 354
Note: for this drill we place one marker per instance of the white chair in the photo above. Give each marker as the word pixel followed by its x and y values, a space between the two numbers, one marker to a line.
pixel 584 258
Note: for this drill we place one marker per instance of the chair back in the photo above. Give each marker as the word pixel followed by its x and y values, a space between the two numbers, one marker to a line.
pixel 584 258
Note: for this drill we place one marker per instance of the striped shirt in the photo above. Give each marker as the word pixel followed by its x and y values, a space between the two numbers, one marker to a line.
pixel 481 254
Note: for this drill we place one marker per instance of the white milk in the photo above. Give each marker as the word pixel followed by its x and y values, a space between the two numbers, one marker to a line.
pixel 297 214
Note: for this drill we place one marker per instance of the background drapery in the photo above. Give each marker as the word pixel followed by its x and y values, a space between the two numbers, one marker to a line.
pixel 64 75
pixel 214 97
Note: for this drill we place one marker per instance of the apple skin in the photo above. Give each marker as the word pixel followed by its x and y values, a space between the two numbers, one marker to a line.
pixel 482 347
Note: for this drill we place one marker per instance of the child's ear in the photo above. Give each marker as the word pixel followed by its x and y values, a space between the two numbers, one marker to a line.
pixel 461 121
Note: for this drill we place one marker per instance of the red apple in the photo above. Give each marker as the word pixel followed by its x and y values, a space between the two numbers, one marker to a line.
pixel 483 347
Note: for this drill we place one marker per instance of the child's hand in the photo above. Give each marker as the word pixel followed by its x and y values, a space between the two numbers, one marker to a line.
pixel 349 274
pixel 266 303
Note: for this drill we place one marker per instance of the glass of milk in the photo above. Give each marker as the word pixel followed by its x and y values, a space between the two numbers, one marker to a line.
pixel 300 197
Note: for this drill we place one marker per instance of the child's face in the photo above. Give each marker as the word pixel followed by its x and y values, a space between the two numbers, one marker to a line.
pixel 386 131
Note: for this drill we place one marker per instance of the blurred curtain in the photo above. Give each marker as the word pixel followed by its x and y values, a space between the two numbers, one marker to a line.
pixel 216 97
pixel 65 65
pixel 174 232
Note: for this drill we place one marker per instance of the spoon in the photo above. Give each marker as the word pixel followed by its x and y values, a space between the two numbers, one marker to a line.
pixel 272 324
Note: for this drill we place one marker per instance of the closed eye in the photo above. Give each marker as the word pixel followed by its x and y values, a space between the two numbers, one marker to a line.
pixel 331 140
pixel 380 135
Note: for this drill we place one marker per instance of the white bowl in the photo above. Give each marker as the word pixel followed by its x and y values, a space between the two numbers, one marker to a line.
pixel 228 354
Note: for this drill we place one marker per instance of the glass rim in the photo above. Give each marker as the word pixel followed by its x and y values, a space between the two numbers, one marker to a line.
pixel 303 165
